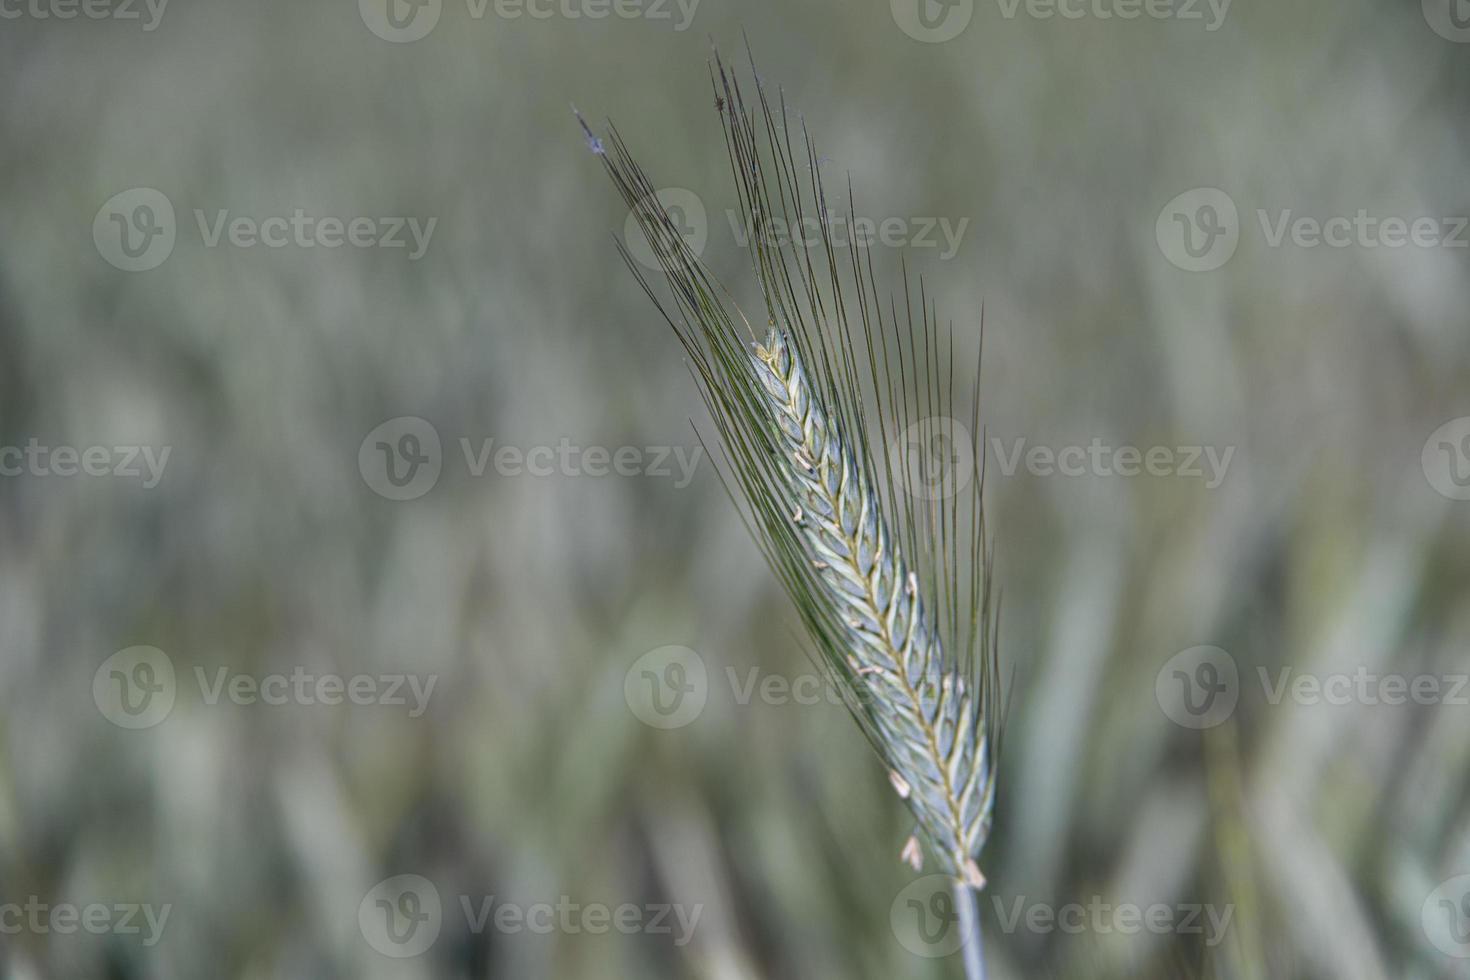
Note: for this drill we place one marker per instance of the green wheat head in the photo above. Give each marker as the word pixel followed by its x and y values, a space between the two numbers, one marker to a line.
pixel 894 591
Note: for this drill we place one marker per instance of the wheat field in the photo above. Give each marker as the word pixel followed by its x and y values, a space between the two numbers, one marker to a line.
pixel 372 604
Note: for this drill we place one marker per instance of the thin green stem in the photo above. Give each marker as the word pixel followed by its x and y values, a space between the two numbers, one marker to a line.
pixel 967 905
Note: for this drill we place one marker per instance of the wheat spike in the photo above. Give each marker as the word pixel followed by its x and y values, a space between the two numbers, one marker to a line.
pixel 925 713
pixel 894 591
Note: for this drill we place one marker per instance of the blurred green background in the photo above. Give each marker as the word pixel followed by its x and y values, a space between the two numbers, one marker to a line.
pixel 1336 541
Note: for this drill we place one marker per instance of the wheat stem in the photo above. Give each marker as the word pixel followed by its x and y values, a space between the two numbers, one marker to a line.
pixel 967 908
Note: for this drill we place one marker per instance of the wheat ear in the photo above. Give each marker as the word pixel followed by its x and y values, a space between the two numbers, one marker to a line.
pixel 894 591
pixel 925 713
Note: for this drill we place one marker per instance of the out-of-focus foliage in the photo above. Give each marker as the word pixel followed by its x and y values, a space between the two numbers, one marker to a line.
pixel 1332 834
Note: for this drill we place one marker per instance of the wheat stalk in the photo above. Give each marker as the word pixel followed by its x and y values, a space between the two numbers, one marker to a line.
pixel 894 591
